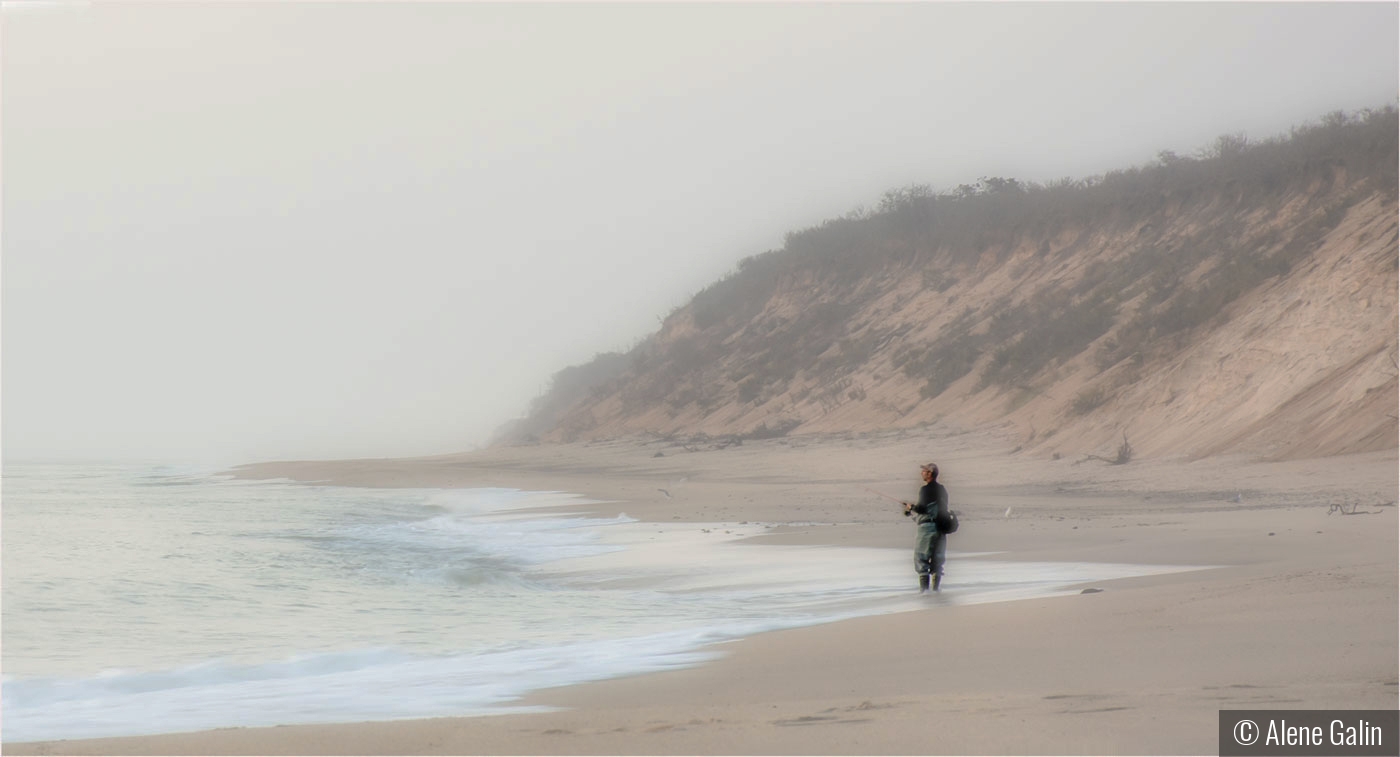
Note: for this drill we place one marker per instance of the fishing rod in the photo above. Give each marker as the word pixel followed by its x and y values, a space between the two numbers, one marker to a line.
pixel 888 497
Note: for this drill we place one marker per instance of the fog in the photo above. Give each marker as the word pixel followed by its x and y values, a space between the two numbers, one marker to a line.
pixel 238 232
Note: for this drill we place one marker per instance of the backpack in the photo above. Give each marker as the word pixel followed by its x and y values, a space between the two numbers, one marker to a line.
pixel 948 525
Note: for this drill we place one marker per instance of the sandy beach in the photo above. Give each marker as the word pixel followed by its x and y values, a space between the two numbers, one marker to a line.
pixel 1292 604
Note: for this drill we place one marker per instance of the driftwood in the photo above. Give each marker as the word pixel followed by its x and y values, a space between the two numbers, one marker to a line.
pixel 1342 510
pixel 1125 453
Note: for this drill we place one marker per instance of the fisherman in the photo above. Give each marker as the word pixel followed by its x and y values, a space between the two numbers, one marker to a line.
pixel 931 544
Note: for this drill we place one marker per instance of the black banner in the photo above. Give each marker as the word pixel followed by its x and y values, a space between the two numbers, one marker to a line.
pixel 1320 733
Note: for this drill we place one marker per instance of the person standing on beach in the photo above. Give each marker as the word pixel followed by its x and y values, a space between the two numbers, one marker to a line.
pixel 931 544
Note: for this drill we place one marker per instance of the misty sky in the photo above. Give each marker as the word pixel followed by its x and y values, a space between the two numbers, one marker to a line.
pixel 237 232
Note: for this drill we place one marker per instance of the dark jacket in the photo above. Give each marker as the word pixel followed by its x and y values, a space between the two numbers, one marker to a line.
pixel 932 506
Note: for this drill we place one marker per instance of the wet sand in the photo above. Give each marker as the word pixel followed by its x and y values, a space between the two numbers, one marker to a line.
pixel 1297 610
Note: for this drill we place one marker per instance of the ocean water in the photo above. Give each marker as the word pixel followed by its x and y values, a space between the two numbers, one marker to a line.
pixel 148 599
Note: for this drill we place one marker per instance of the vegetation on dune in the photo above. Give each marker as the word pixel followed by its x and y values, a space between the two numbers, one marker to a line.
pixel 567 387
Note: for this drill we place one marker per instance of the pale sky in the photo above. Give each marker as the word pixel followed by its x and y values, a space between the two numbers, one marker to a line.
pixel 250 231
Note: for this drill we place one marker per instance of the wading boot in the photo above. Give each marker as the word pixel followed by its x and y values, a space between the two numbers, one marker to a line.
pixel 937 580
pixel 923 584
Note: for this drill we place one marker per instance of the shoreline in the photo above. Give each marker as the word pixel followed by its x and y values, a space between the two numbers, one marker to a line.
pixel 1299 613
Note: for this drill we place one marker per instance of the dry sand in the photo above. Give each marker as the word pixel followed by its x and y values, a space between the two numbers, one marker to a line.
pixel 1301 612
